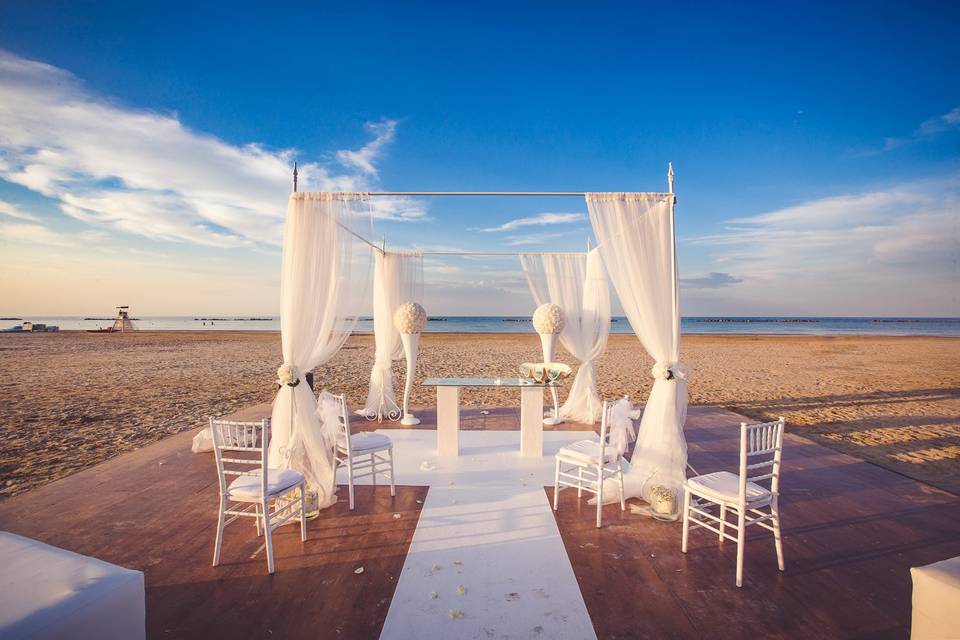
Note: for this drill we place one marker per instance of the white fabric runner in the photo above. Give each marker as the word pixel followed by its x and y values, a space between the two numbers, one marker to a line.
pixel 321 285
pixel 398 278
pixel 577 284
pixel 636 241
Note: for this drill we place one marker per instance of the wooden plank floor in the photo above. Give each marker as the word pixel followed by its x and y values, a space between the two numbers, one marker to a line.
pixel 851 532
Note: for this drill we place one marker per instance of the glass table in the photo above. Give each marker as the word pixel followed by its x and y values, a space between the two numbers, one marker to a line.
pixel 448 411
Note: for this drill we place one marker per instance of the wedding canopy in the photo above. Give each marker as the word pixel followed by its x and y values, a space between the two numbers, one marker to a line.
pixel 326 269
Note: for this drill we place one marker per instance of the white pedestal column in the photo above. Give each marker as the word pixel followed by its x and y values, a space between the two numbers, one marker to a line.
pixel 549 343
pixel 411 343
pixel 531 421
pixel 448 421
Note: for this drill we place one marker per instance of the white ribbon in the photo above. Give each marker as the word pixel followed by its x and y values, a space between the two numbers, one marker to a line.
pixel 328 410
pixel 621 429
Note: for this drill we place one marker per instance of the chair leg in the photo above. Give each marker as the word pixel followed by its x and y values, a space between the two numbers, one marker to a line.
pixel 393 486
pixel 373 469
pixel 256 509
pixel 268 535
pixel 350 480
pixel 723 519
pixel 741 534
pixel 686 520
pixel 219 540
pixel 303 512
pixel 579 482
pixel 556 485
pixel 623 502
pixel 599 494
pixel 777 538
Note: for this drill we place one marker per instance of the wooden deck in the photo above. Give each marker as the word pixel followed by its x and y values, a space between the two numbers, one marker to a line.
pixel 851 532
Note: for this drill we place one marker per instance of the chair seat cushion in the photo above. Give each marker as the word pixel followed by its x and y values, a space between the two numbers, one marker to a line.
pixel 726 486
pixel 365 442
pixel 247 487
pixel 587 452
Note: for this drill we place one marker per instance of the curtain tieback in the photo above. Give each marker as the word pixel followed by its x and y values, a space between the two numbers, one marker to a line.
pixel 670 371
pixel 288 375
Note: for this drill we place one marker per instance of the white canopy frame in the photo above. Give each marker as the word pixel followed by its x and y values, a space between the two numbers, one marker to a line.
pixel 669 196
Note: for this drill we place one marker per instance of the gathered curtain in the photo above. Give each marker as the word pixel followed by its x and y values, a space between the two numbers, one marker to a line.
pixel 577 283
pixel 322 283
pixel 635 235
pixel 398 278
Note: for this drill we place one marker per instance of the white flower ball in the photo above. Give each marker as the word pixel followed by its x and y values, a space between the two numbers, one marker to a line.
pixel 287 374
pixel 410 318
pixel 548 319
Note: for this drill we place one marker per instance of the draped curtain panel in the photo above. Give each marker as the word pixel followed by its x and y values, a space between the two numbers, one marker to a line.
pixel 322 282
pixel 635 235
pixel 577 283
pixel 398 278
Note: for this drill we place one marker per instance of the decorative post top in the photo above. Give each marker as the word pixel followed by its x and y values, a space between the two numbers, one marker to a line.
pixel 295 177
pixel 670 176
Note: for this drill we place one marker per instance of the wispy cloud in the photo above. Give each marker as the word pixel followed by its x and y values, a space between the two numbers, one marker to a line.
pixel 364 158
pixel 535 238
pixel 541 219
pixel 886 251
pixel 35 234
pixel 712 280
pixel 927 129
pixel 147 173
pixel 13 211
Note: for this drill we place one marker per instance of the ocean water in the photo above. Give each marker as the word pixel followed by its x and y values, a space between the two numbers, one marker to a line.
pixel 522 324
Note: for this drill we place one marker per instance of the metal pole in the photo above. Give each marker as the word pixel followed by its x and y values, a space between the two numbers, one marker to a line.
pixel 673 259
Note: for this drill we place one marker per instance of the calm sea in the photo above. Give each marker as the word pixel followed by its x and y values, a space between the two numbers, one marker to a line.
pixel 515 324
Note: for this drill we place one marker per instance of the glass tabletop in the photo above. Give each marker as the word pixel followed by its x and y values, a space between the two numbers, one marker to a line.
pixel 483 382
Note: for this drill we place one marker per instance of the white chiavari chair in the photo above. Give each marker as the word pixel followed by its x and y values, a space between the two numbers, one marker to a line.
pixel 254 491
pixel 761 446
pixel 364 454
pixel 595 461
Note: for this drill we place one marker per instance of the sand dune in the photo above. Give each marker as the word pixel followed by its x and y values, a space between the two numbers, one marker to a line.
pixel 71 400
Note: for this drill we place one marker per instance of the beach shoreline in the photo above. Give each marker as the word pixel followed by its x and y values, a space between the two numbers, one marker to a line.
pixel 73 399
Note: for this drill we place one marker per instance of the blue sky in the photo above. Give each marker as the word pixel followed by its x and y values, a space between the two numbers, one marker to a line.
pixel 144 147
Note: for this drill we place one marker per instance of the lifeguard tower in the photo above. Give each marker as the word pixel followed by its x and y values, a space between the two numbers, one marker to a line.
pixel 123 321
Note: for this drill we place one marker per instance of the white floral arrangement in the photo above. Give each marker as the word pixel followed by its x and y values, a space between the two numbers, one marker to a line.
pixel 288 375
pixel 410 317
pixel 548 319
pixel 663 502
pixel 663 371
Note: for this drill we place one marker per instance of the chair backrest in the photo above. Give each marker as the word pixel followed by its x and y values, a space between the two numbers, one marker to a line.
pixel 246 445
pixel 761 446
pixel 605 422
pixel 343 426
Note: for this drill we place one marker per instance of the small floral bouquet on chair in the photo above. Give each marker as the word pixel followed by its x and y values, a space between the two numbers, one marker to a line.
pixel 287 375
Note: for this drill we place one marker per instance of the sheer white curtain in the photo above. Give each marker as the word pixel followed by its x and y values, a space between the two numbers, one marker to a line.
pixel 635 232
pixel 398 278
pixel 321 281
pixel 577 283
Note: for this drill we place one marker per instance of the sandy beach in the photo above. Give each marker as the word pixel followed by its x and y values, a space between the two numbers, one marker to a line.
pixel 73 399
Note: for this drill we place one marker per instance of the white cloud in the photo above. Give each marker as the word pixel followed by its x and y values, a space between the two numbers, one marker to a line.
pixel 712 280
pixel 146 173
pixel 892 251
pixel 13 211
pixel 364 158
pixel 928 128
pixel 35 234
pixel 540 219
pixel 535 238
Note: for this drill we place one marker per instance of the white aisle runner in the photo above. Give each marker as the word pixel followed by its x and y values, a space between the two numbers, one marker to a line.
pixel 486 525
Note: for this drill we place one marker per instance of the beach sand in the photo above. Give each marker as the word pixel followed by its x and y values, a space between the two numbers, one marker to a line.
pixel 70 400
